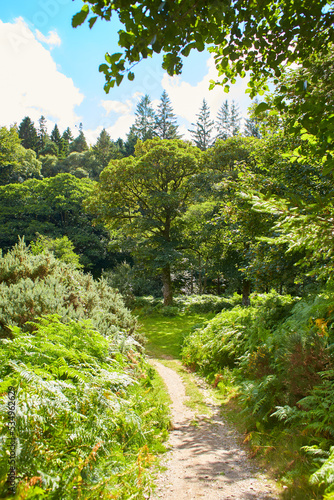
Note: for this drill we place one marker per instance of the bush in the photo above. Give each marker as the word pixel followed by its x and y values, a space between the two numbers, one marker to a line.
pixel 35 285
pixel 87 417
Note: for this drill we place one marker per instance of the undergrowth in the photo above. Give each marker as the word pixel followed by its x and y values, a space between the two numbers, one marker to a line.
pixel 276 358
pixel 88 421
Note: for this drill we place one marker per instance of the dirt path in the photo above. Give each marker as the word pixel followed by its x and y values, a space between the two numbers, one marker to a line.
pixel 205 461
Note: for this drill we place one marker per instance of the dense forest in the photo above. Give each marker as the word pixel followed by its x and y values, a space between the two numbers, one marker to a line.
pixel 237 223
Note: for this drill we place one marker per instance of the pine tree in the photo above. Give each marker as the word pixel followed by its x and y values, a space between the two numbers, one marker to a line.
pixel 79 144
pixel 28 134
pixel 144 125
pixel 251 128
pixel 66 140
pixel 165 121
pixel 204 126
pixel 42 134
pixel 105 149
pixel 55 136
pixel 223 121
pixel 131 141
pixel 234 119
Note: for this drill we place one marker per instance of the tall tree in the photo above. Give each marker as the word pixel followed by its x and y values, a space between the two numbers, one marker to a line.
pixel 42 134
pixel 66 141
pixel 204 127
pixel 105 149
pixel 28 134
pixel 223 121
pixel 141 200
pixel 55 136
pixel 145 119
pixel 79 144
pixel 234 119
pixel 165 120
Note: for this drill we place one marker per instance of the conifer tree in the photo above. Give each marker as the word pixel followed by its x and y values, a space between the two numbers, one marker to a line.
pixel 234 119
pixel 42 134
pixel 145 119
pixel 66 140
pixel 79 144
pixel 204 126
pixel 55 136
pixel 223 121
pixel 165 121
pixel 28 134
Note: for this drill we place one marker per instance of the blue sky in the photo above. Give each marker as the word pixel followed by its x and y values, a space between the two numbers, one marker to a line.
pixel 50 68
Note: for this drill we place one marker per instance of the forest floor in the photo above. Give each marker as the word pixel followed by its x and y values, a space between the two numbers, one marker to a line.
pixel 206 458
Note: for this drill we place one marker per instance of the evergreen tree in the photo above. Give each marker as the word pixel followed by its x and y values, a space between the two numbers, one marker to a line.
pixel 131 141
pixel 234 119
pixel 79 144
pixel 145 119
pixel 204 126
pixel 103 149
pixel 28 134
pixel 251 128
pixel 223 121
pixel 42 134
pixel 66 140
pixel 165 120
pixel 55 136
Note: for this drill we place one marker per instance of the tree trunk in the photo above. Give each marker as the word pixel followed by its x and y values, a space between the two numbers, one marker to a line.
pixel 218 284
pixel 246 285
pixel 167 286
pixel 191 280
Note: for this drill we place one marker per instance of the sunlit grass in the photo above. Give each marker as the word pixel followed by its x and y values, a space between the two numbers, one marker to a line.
pixel 165 335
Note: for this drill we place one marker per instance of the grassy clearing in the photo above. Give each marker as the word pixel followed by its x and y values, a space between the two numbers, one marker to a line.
pixel 165 335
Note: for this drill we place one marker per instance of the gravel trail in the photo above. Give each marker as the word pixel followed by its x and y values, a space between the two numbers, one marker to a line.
pixel 205 461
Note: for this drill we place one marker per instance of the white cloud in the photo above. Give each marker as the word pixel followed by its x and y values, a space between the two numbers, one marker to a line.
pixel 53 39
pixel 31 84
pixel 187 99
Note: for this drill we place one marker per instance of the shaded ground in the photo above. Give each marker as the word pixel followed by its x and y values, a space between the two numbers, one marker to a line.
pixel 205 460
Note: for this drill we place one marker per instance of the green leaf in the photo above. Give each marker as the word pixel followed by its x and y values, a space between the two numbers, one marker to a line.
pixel 111 59
pixel 263 106
pixel 103 68
pixel 92 21
pixel 80 17
pixel 131 76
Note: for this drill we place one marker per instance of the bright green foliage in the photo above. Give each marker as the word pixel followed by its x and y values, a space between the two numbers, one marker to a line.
pixel 62 249
pixel 16 162
pixel 87 417
pixel 142 199
pixel 246 36
pixel 35 285
pixel 280 356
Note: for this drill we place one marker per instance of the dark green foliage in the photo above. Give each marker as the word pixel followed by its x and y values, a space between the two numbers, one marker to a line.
pixel 53 207
pixel 87 417
pixel 28 134
pixel 35 285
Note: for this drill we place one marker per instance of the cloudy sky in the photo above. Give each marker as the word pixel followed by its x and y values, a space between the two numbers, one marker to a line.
pixel 49 68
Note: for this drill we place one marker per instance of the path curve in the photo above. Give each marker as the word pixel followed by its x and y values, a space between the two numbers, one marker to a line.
pixel 205 461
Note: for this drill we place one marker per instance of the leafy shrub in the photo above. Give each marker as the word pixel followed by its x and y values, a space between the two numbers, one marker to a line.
pixel 35 285
pixel 87 418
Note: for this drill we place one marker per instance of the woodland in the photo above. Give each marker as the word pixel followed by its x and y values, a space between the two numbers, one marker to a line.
pixel 235 225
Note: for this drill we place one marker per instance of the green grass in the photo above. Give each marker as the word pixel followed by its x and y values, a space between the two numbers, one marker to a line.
pixel 165 335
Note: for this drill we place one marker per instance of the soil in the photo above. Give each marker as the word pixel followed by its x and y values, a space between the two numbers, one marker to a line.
pixel 206 460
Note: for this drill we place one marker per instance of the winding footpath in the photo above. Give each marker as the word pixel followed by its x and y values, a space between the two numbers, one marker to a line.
pixel 205 460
